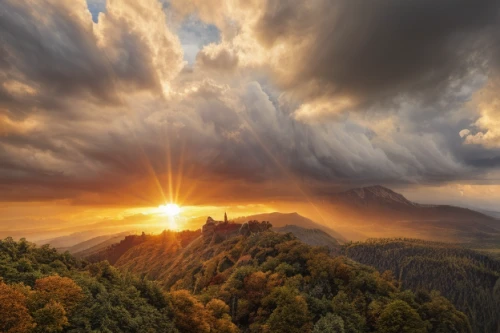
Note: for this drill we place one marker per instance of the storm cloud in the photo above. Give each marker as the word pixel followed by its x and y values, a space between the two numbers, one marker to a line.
pixel 374 50
pixel 358 51
pixel 307 94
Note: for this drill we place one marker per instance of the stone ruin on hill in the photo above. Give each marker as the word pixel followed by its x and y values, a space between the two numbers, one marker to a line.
pixel 225 229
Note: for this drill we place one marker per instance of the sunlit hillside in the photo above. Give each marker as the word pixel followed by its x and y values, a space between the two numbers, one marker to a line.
pixel 267 281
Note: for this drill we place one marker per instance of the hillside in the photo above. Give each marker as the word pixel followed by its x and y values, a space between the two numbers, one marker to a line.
pixel 88 251
pixel 314 237
pixel 114 252
pixel 379 212
pixel 466 277
pixel 65 242
pixel 95 242
pixel 266 282
pixel 469 279
pixel 247 272
pixel 450 269
pixel 494 214
pixel 279 220
pixel 43 291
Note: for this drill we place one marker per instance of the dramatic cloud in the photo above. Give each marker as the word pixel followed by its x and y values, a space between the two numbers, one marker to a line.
pixel 487 127
pixel 373 50
pixel 217 57
pixel 51 50
pixel 220 136
pixel 357 52
pixel 284 98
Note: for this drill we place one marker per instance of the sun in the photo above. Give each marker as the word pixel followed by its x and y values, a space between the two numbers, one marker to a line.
pixel 170 209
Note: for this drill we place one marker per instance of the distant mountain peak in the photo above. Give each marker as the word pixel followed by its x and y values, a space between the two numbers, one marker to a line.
pixel 376 193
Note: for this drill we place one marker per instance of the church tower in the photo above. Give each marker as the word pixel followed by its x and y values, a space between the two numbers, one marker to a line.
pixel 225 217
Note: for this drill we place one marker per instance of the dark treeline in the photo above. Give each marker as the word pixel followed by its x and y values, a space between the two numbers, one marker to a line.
pixel 470 280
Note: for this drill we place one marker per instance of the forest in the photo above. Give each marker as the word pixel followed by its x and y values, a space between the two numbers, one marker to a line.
pixel 470 280
pixel 266 282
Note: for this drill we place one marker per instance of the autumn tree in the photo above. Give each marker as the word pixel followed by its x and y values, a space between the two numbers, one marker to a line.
pixel 59 289
pixel 14 315
pixel 189 314
pixel 220 320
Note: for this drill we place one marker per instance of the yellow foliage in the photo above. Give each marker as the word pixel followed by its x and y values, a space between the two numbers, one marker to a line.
pixel 59 289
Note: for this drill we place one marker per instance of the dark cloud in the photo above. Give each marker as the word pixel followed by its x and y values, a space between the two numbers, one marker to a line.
pixel 56 56
pixel 372 50
pixel 229 140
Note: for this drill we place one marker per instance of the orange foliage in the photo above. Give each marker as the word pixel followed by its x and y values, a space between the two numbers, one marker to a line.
pixel 59 289
pixel 14 315
pixel 255 285
pixel 190 314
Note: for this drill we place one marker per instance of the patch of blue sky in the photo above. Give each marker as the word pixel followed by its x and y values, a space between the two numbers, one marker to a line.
pixel 194 34
pixel 96 7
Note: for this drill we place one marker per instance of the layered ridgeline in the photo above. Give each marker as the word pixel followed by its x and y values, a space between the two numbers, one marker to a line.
pixel 378 212
pixel 86 244
pixel 249 280
pixel 468 279
pixel 272 282
pixel 283 221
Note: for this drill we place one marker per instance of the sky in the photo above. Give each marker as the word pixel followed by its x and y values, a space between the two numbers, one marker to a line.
pixel 112 108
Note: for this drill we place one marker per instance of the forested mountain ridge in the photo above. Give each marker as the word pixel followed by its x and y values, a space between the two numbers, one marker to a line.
pixel 280 220
pixel 170 238
pixel 469 279
pixel 266 282
pixel 245 272
pixel 99 247
pixel 384 202
pixel 379 212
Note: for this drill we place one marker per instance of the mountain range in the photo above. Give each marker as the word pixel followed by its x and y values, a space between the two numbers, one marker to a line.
pixel 314 268
pixel 356 214
pixel 205 265
pixel 377 211
pixel 262 281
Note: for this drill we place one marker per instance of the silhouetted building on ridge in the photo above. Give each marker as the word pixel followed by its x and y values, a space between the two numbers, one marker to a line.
pixel 226 228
